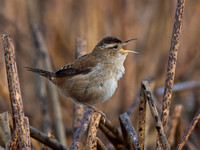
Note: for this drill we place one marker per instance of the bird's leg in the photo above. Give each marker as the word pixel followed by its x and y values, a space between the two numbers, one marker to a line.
pixel 97 110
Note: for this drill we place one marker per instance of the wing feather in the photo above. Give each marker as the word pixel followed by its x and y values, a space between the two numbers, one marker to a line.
pixel 82 65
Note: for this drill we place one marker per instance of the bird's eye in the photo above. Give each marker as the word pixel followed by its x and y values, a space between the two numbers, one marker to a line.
pixel 115 47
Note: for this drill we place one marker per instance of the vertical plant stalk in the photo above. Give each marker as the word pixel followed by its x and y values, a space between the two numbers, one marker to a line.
pixel 157 120
pixel 141 122
pixel 172 63
pixel 20 125
pixel 40 83
pixel 78 110
pixel 130 136
pixel 60 130
pixel 189 131
pixel 91 143
pixel 81 130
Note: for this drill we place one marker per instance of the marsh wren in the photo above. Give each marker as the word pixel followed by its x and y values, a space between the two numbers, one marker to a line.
pixel 92 78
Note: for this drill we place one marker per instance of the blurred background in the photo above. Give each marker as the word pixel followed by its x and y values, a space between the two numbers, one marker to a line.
pixel 61 22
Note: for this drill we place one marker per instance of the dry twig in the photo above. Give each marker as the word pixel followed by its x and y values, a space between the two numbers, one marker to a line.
pixel 60 131
pixel 43 138
pixel 81 130
pixel 159 127
pixel 91 143
pixel 189 131
pixel 130 136
pixel 116 141
pixel 41 89
pixel 141 121
pixel 100 145
pixel 15 94
pixel 110 126
pixel 172 63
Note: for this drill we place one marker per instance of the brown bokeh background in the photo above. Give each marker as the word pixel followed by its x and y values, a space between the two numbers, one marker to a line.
pixel 151 22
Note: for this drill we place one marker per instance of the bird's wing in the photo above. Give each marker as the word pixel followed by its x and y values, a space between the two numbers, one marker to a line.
pixel 82 65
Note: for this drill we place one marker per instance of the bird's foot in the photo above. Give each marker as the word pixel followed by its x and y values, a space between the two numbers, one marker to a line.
pixel 103 116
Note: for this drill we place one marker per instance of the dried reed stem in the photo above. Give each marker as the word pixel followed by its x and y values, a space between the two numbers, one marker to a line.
pixel 15 94
pixel 14 141
pixel 116 141
pixel 172 63
pixel 81 47
pixel 159 127
pixel 189 131
pixel 81 130
pixel 40 83
pixel 173 124
pixel 91 143
pixel 110 126
pixel 100 145
pixel 5 129
pixel 141 121
pixel 130 136
pixel 43 138
pixel 60 131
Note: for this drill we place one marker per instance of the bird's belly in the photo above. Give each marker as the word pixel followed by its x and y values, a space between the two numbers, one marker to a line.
pixel 91 91
pixel 109 88
pixel 93 88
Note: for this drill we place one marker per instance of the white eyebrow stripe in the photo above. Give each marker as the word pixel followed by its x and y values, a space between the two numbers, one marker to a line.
pixel 109 45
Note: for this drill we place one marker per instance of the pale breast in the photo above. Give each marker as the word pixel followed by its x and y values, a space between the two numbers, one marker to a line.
pixel 94 87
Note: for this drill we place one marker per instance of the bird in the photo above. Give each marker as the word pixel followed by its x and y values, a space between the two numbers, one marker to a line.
pixel 92 78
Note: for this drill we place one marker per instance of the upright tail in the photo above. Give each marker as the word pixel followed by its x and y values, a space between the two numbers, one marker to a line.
pixel 47 74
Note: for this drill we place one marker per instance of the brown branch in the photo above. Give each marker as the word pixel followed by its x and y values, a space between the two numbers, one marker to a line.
pixel 37 135
pixel 172 63
pixel 14 142
pixel 91 143
pixel 100 145
pixel 110 126
pixel 116 141
pixel 15 94
pixel 60 131
pixel 81 130
pixel 173 124
pixel 189 131
pixel 5 129
pixel 43 138
pixel 136 100
pixel 159 127
pixel 130 136
pixel 40 83
pixel 141 121
pixel 81 46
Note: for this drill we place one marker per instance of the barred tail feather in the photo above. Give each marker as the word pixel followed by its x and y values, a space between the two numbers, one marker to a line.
pixel 47 74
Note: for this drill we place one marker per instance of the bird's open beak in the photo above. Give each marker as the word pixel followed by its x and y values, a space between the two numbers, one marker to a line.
pixel 127 51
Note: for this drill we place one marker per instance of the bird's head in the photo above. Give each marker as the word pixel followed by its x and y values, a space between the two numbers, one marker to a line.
pixel 111 48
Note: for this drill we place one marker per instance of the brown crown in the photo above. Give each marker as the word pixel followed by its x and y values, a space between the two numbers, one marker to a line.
pixel 109 40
